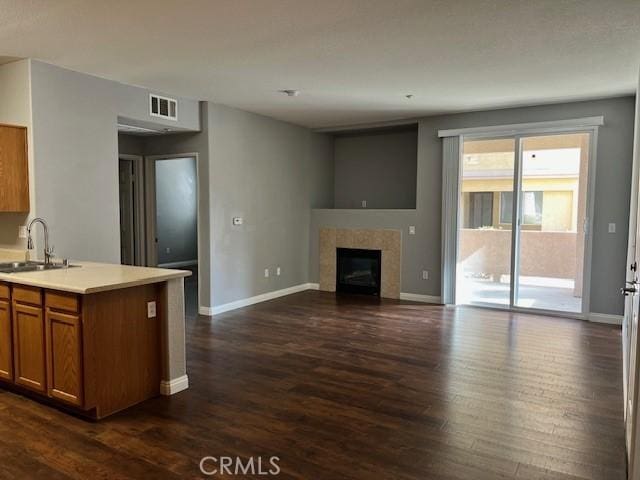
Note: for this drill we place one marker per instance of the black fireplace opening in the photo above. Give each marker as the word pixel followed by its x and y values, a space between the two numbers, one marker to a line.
pixel 358 271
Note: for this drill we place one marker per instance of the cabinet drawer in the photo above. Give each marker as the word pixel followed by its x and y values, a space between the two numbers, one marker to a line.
pixel 29 295
pixel 4 291
pixel 67 302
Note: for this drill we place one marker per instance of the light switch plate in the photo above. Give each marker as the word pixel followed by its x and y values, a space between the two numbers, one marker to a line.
pixel 612 228
pixel 237 221
pixel 278 271
pixel 151 309
pixel 266 273
pixel 412 229
pixel 425 274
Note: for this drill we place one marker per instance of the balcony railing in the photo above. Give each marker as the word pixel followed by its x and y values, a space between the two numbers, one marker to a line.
pixel 542 254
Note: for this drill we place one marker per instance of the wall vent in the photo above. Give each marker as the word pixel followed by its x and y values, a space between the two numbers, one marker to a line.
pixel 163 107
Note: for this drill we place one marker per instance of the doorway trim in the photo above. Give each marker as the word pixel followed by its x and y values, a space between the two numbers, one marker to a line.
pixel 450 188
pixel 150 210
pixel 140 251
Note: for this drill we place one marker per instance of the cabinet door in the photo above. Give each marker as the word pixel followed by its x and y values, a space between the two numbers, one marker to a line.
pixel 14 175
pixel 6 355
pixel 29 347
pixel 64 356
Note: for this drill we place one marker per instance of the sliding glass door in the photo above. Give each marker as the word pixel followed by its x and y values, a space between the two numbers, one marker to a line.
pixel 552 222
pixel 484 249
pixel 521 224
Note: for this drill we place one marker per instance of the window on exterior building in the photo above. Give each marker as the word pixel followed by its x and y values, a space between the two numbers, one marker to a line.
pixel 478 209
pixel 531 208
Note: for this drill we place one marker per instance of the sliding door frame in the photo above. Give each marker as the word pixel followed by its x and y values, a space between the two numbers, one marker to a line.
pixel 519 132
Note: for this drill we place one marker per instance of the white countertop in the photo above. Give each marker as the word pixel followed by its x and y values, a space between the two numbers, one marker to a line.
pixel 89 277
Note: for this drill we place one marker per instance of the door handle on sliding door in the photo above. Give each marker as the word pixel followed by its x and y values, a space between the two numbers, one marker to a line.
pixel 628 291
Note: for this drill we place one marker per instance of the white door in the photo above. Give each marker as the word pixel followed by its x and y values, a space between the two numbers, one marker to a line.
pixel 630 350
pixel 631 361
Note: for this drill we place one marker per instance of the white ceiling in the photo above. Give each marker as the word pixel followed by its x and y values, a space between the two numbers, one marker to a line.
pixel 353 60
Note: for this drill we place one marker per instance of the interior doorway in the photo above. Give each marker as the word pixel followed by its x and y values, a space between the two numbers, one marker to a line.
pixel 171 198
pixel 523 221
pixel 172 211
pixel 130 172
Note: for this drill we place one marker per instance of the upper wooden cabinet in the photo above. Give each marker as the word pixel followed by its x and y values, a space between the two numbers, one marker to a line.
pixel 14 170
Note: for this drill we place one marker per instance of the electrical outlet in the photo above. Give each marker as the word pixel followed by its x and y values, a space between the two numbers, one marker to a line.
pixel 425 274
pixel 237 220
pixel 278 271
pixel 412 229
pixel 266 273
pixel 151 309
pixel 168 249
pixel 22 231
pixel 612 228
pixel 364 204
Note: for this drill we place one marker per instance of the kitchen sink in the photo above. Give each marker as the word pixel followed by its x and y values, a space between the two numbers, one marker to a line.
pixel 20 267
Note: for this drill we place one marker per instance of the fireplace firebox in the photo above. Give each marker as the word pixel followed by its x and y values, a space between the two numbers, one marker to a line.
pixel 358 271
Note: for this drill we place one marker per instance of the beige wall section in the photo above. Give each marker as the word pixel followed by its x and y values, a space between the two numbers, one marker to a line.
pixel 15 109
pixel 543 254
pixel 557 208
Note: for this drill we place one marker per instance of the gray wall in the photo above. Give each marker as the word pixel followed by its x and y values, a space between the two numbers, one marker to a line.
pixel 271 173
pixel 131 144
pixel 613 171
pixel 379 167
pixel 75 144
pixel 176 210
pixel 15 109
pixel 178 144
pixel 259 170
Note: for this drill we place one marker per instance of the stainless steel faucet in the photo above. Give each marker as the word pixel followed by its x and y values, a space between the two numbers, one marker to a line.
pixel 48 252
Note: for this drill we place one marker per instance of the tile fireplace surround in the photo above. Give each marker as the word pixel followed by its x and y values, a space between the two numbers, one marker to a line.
pixel 389 242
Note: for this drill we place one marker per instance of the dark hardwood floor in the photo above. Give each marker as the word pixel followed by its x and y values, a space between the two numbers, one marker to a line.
pixel 350 388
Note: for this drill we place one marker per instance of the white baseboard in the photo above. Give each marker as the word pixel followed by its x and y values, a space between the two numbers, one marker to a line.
pixel 416 297
pixel 245 302
pixel 605 318
pixel 174 386
pixel 184 263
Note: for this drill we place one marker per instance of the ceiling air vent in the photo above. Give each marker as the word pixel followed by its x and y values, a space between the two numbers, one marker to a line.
pixel 163 107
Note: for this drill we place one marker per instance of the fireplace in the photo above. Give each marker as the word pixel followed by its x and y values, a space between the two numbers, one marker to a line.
pixel 358 271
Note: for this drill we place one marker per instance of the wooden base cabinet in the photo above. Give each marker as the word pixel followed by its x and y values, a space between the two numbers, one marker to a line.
pixel 96 353
pixel 64 353
pixel 6 342
pixel 28 339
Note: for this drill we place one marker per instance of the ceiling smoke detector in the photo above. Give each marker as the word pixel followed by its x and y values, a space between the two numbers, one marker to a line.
pixel 290 93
